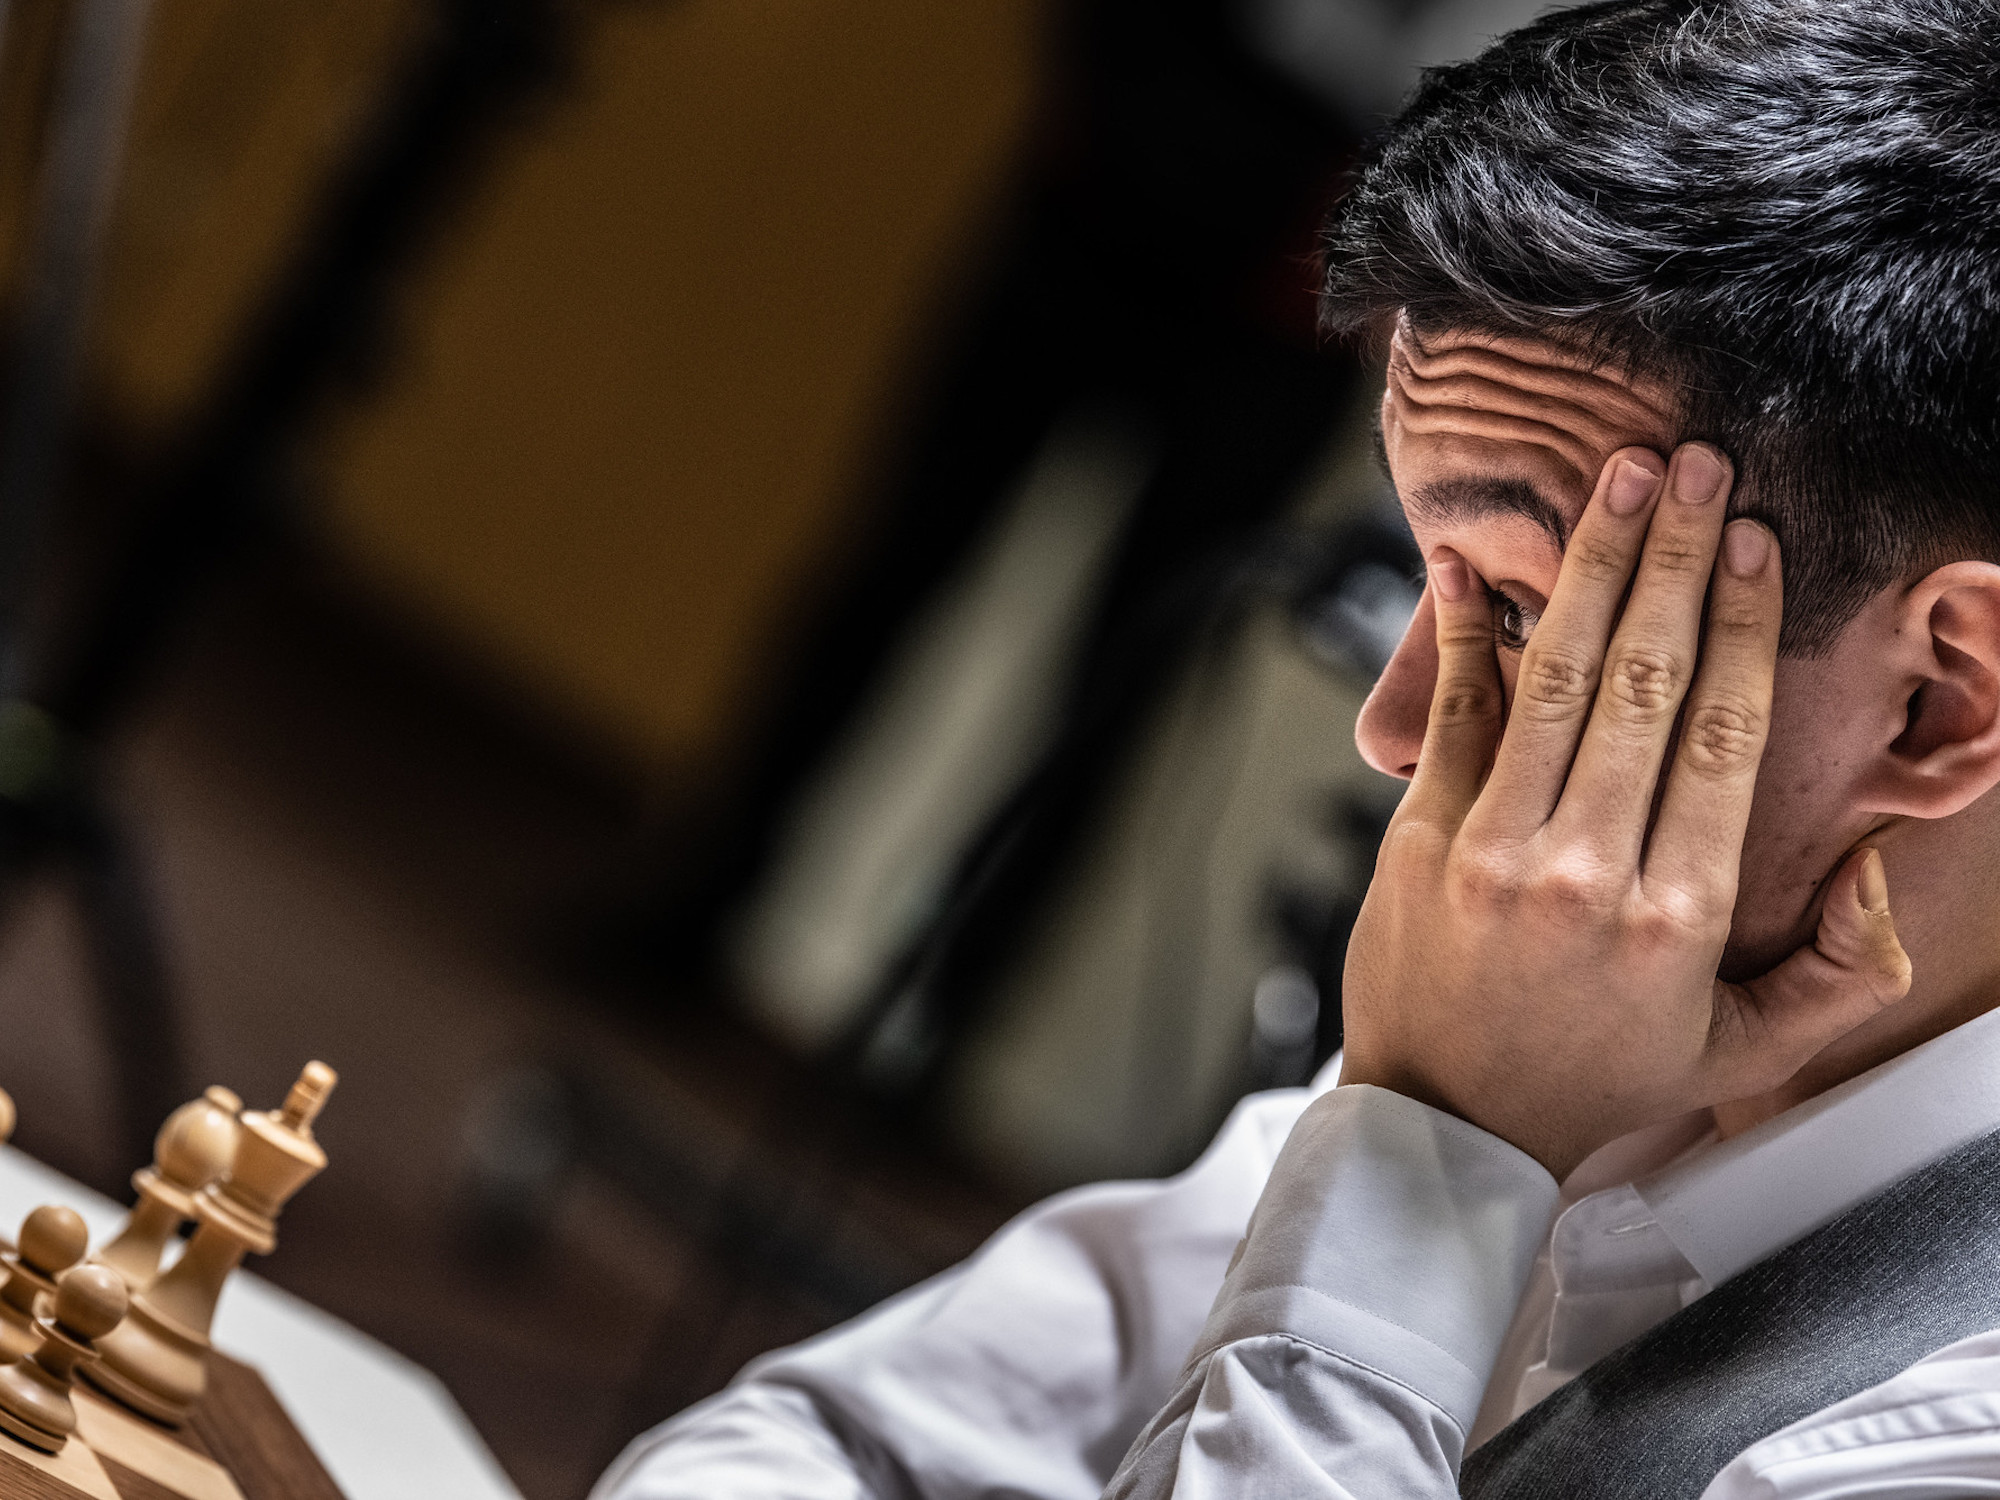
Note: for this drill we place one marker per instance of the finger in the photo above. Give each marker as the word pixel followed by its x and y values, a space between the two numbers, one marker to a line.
pixel 1647 668
pixel 1465 705
pixel 1557 683
pixel 1767 1030
pixel 1698 840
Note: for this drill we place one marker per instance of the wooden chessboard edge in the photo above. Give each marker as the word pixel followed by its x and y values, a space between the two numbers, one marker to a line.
pixel 242 1425
pixel 73 1474
pixel 132 1485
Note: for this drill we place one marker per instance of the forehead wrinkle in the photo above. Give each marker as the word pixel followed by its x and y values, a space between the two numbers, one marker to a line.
pixel 1536 361
pixel 1536 371
pixel 1446 502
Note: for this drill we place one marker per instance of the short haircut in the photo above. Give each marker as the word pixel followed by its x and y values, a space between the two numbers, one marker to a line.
pixel 1789 209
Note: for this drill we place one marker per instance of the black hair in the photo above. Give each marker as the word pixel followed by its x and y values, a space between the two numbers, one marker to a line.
pixel 1790 209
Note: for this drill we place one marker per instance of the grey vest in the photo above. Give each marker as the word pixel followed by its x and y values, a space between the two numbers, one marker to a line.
pixel 1851 1304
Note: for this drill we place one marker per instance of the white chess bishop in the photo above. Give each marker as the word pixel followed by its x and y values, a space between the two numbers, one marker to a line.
pixel 196 1146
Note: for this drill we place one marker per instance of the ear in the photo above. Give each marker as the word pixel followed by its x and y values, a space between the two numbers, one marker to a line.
pixel 1946 651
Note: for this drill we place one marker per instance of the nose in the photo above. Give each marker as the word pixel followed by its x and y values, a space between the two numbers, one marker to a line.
pixel 1390 730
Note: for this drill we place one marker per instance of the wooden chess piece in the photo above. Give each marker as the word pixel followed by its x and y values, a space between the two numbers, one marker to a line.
pixel 154 1361
pixel 6 1117
pixel 193 1149
pixel 35 1403
pixel 52 1240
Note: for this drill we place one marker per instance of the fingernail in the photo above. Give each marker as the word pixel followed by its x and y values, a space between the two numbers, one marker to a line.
pixel 1448 575
pixel 1631 487
pixel 1746 547
pixel 1873 886
pixel 1698 475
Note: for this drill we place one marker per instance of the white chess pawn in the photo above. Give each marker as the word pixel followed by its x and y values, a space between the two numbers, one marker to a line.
pixel 35 1403
pixel 194 1148
pixel 52 1240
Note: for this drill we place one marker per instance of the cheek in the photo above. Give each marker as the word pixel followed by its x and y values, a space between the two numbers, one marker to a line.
pixel 1801 824
pixel 1787 849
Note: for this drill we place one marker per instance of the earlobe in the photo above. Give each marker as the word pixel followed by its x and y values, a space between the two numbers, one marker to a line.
pixel 1948 752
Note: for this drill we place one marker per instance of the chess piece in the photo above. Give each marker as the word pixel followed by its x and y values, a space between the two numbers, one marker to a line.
pixel 193 1149
pixel 52 1240
pixel 6 1117
pixel 35 1402
pixel 154 1361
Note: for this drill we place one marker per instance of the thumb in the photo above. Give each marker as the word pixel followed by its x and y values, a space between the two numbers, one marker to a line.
pixel 1854 968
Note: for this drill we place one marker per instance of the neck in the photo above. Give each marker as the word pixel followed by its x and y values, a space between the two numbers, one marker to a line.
pixel 1892 1033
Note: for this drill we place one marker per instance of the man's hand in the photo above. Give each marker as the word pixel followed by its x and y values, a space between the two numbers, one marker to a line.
pixel 1532 956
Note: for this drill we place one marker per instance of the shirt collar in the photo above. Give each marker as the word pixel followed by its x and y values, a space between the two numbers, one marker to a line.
pixel 1728 1206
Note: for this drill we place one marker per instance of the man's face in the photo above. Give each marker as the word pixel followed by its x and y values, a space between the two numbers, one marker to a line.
pixel 1495 447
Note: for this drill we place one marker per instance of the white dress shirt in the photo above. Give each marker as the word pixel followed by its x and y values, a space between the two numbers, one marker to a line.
pixel 1406 1285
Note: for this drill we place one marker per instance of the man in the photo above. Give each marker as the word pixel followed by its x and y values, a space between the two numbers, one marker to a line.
pixel 1648 265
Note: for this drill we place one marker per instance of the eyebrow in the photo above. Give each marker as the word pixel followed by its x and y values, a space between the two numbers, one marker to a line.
pixel 1466 499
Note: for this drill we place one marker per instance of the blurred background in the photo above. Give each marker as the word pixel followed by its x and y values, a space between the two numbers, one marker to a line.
pixel 749 615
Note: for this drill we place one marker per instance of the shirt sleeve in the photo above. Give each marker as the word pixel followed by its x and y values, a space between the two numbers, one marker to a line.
pixel 1348 1349
pixel 1026 1371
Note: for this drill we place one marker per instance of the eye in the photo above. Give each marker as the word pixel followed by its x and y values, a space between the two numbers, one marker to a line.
pixel 1513 622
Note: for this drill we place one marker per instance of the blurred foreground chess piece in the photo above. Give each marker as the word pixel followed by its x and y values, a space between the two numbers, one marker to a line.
pixel 35 1403
pixel 6 1117
pixel 155 1360
pixel 52 1240
pixel 193 1149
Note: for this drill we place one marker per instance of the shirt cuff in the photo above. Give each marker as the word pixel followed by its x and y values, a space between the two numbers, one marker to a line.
pixel 1393 1235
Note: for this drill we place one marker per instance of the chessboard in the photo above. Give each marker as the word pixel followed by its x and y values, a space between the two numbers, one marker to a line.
pixel 109 1386
pixel 238 1444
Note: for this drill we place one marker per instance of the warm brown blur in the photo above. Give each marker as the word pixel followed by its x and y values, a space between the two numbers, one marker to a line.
pixel 623 434
pixel 636 377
